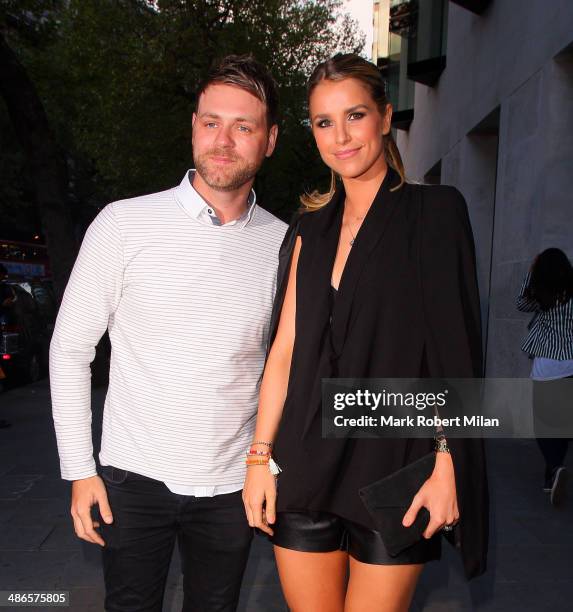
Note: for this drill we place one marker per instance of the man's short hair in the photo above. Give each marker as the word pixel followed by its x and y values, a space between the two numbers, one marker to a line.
pixel 245 72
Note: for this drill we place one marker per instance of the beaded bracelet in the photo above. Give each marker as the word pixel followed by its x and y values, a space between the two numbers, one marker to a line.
pixel 258 458
pixel 274 469
pixel 255 457
pixel 258 453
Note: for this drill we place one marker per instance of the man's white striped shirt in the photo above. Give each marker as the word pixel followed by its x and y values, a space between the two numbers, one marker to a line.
pixel 187 304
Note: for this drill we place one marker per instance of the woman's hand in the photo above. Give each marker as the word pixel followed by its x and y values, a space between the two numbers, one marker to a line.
pixel 438 495
pixel 259 497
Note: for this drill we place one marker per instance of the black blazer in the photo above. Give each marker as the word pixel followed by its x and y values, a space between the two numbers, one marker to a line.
pixel 407 306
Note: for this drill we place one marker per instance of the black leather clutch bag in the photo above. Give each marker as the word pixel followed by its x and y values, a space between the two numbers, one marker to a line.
pixel 388 499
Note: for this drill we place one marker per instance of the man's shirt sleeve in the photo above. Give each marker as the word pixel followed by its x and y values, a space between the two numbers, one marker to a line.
pixel 91 297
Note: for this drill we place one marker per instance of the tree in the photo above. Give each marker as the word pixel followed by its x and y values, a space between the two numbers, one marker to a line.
pixel 100 94
pixel 134 72
pixel 45 163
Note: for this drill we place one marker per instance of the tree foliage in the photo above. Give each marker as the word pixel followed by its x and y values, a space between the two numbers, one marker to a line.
pixel 118 78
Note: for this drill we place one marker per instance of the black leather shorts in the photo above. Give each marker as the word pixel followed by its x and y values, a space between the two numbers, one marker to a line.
pixel 325 532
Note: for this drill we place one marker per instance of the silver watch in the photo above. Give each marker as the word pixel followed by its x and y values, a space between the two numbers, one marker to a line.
pixel 442 446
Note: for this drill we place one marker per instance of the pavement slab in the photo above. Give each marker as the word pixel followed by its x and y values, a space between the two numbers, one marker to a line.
pixel 530 566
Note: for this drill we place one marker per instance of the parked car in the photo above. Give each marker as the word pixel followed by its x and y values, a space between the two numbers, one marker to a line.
pixel 26 325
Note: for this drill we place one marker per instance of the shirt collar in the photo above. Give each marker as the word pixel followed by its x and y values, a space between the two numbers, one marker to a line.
pixel 195 206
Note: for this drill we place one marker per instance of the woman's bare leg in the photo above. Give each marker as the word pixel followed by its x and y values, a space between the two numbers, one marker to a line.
pixel 312 582
pixel 381 588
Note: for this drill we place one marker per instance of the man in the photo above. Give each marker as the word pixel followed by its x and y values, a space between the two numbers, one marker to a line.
pixel 184 281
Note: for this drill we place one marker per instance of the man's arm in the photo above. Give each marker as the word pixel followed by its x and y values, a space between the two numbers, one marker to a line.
pixel 91 296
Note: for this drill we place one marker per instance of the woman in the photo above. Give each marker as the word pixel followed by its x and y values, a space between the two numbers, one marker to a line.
pixel 547 290
pixel 377 279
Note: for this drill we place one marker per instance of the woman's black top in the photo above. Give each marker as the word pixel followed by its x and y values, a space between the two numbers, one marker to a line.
pixel 407 305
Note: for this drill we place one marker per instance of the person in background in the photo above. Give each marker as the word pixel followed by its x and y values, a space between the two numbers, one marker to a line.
pixel 184 281
pixel 547 290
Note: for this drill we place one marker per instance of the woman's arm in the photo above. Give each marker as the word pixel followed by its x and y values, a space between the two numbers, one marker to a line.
pixel 525 303
pixel 438 494
pixel 454 344
pixel 260 485
pixel 452 335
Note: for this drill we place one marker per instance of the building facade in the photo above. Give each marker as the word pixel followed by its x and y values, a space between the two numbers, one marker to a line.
pixel 483 99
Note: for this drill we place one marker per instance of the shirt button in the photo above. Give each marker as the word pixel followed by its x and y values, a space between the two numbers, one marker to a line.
pixel 209 211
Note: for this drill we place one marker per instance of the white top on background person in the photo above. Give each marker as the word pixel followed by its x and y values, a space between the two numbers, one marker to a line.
pixel 184 281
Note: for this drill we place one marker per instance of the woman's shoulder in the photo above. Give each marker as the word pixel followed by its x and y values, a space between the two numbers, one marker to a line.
pixel 300 221
pixel 306 220
pixel 443 196
pixel 442 204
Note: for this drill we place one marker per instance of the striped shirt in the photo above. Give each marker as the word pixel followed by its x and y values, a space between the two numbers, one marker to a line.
pixel 550 331
pixel 187 304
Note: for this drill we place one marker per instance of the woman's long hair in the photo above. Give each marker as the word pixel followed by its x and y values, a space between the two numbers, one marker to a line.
pixel 551 281
pixel 345 66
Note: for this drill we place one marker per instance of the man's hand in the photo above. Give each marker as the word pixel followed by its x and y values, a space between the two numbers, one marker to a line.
pixel 86 493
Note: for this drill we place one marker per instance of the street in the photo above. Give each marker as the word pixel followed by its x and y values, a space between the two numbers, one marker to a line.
pixel 531 544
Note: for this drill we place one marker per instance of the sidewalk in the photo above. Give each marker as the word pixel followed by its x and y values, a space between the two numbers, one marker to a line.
pixel 531 545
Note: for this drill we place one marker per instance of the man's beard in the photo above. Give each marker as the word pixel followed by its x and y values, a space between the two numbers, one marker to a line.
pixel 221 178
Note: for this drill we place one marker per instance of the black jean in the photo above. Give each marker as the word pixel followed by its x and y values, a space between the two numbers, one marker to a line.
pixel 553 408
pixel 213 535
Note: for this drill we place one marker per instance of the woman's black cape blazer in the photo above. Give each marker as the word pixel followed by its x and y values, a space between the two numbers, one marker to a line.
pixel 413 257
